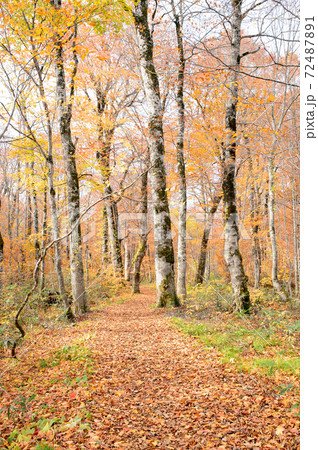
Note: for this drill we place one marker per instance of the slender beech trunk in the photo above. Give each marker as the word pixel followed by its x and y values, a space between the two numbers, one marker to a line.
pixel 17 225
pixel 113 232
pixel 11 216
pixel 288 255
pixel 36 226
pixel 73 193
pixel 256 249
pixel 112 221
pixel 52 194
pixel 164 254
pixel 272 232
pixel 105 236
pixel 44 238
pixel 1 260
pixel 207 271
pixel 87 257
pixel 142 248
pixel 105 137
pixel 182 220
pixel 28 216
pixel 254 215
pixel 127 260
pixel 199 278
pixel 56 230
pixel 56 236
pixel 233 258
pixel 295 239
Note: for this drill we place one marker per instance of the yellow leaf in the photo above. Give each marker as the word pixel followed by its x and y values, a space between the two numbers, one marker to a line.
pixel 280 430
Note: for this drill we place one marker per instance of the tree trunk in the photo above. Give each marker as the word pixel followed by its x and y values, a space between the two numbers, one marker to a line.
pixel 17 226
pixel 56 236
pixel 142 248
pixel 114 242
pixel 1 261
pixel 52 196
pixel 182 220
pixel 11 216
pixel 87 257
pixel 105 237
pixel 254 215
pixel 207 271
pixel 233 258
pixel 73 194
pixel 164 254
pixel 257 257
pixel 272 232
pixel 28 216
pixel 103 155
pixel 127 260
pixel 44 237
pixel 35 216
pixel 199 278
pixel 295 238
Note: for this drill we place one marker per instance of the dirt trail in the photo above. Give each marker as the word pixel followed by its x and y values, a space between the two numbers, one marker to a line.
pixel 153 387
pixel 160 389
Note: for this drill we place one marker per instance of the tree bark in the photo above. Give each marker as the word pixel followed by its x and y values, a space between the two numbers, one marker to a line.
pixel 73 194
pixel 105 236
pixel 199 278
pixel 295 239
pixel 142 248
pixel 272 232
pixel 28 216
pixel 52 195
pixel 35 216
pixel 56 236
pixel 127 260
pixel 255 219
pixel 1 261
pixel 182 219
pixel 164 254
pixel 233 258
pixel 44 237
pixel 105 137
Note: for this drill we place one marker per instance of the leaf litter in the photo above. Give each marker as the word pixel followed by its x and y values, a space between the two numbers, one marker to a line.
pixel 123 378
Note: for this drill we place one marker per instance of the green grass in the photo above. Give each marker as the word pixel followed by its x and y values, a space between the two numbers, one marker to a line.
pixel 266 341
pixel 247 349
pixel 76 352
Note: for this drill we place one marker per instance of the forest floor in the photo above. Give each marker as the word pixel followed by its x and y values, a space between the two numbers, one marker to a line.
pixel 123 378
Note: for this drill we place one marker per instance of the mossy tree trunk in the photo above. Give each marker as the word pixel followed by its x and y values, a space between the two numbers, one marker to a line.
pixel 51 191
pixel 164 254
pixel 36 226
pixel 111 212
pixel 255 218
pixel 182 219
pixel 232 255
pixel 64 105
pixel 142 248
pixel 56 232
pixel 105 259
pixel 199 278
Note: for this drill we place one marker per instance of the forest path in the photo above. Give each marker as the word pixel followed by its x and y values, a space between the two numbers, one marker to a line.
pixel 143 385
pixel 160 389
